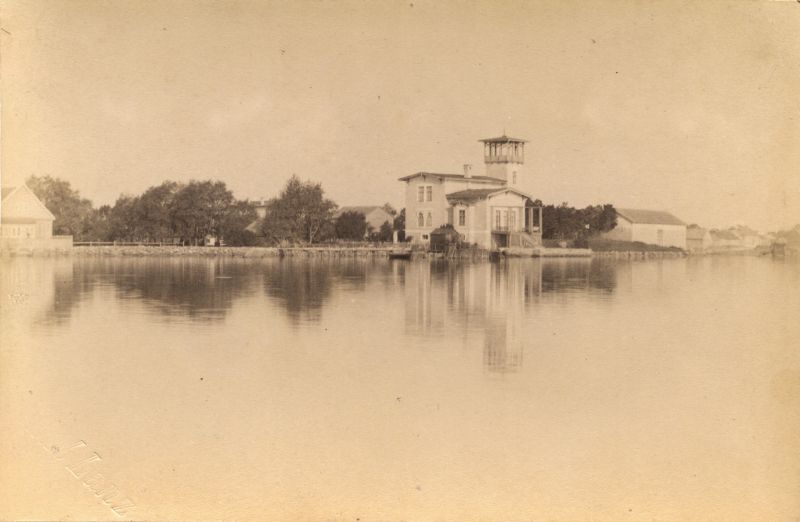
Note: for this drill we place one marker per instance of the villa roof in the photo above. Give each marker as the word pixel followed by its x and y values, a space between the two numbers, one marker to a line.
pixel 471 195
pixel 649 217
pixel 503 139
pixel 452 176
pixel 5 191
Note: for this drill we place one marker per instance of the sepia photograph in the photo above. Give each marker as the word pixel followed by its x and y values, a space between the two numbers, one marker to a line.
pixel 399 260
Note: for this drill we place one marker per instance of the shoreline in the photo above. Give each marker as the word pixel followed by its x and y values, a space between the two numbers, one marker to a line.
pixel 259 252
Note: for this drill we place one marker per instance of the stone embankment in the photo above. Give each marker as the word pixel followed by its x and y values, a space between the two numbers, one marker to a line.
pixel 585 252
pixel 244 252
pixel 656 254
pixel 545 252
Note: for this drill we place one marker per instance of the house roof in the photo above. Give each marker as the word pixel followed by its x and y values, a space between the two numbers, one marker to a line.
pixel 695 232
pixel 470 195
pixel 452 176
pixel 503 139
pixel 364 209
pixel 255 226
pixel 725 234
pixel 649 217
pixel 6 191
pixel 34 209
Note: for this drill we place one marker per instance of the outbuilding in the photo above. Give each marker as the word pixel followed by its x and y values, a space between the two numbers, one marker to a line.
pixel 23 216
pixel 654 227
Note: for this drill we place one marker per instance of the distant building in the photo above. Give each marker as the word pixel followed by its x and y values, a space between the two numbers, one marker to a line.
pixel 261 212
pixel 23 215
pixel 487 210
pixel 726 240
pixel 749 237
pixel 698 239
pixel 375 215
pixel 653 227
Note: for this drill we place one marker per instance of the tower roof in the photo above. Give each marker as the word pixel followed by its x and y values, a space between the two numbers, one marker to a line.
pixel 503 139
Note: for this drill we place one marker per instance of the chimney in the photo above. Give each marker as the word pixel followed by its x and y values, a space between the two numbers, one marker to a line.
pixel 467 170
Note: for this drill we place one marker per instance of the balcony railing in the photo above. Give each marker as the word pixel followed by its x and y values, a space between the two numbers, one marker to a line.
pixel 505 229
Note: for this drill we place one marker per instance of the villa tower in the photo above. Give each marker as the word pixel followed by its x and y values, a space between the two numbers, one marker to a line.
pixel 504 158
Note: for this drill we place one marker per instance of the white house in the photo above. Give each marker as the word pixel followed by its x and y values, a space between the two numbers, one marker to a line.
pixel 23 215
pixel 649 226
pixel 487 210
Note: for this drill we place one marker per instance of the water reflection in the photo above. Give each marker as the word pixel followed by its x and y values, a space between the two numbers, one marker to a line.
pixel 302 286
pixel 458 299
pixel 41 292
pixel 197 289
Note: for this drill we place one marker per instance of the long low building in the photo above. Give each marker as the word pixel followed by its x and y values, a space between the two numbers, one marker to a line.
pixel 654 227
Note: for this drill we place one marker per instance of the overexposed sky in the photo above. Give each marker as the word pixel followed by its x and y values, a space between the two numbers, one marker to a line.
pixel 691 107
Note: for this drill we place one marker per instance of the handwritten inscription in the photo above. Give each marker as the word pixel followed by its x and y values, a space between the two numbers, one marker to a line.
pixel 83 463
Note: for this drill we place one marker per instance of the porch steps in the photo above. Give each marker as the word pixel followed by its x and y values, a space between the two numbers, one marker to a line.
pixel 523 240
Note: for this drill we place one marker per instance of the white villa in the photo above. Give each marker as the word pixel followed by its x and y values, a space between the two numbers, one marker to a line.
pixel 487 210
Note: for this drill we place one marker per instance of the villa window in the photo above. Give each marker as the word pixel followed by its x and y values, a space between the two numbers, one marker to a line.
pixel 514 178
pixel 429 192
pixel 429 221
pixel 421 194
pixel 462 217
pixel 420 220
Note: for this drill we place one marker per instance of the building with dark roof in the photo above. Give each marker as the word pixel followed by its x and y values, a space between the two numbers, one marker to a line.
pixel 654 227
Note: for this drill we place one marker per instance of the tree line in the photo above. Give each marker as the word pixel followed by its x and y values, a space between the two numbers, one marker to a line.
pixel 173 212
pixel 564 222
pixel 188 213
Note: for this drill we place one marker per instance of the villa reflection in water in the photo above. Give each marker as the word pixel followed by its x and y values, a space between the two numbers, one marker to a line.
pixel 495 299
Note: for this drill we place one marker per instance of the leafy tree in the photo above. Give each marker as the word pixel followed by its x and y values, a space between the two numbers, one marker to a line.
pixel 301 213
pixel 568 223
pixel 385 232
pixel 121 219
pixel 152 211
pixel 72 213
pixel 199 209
pixel 234 224
pixel 99 227
pixel 389 209
pixel 399 224
pixel 351 225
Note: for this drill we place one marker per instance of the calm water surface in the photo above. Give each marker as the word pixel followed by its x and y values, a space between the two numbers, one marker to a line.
pixel 371 389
